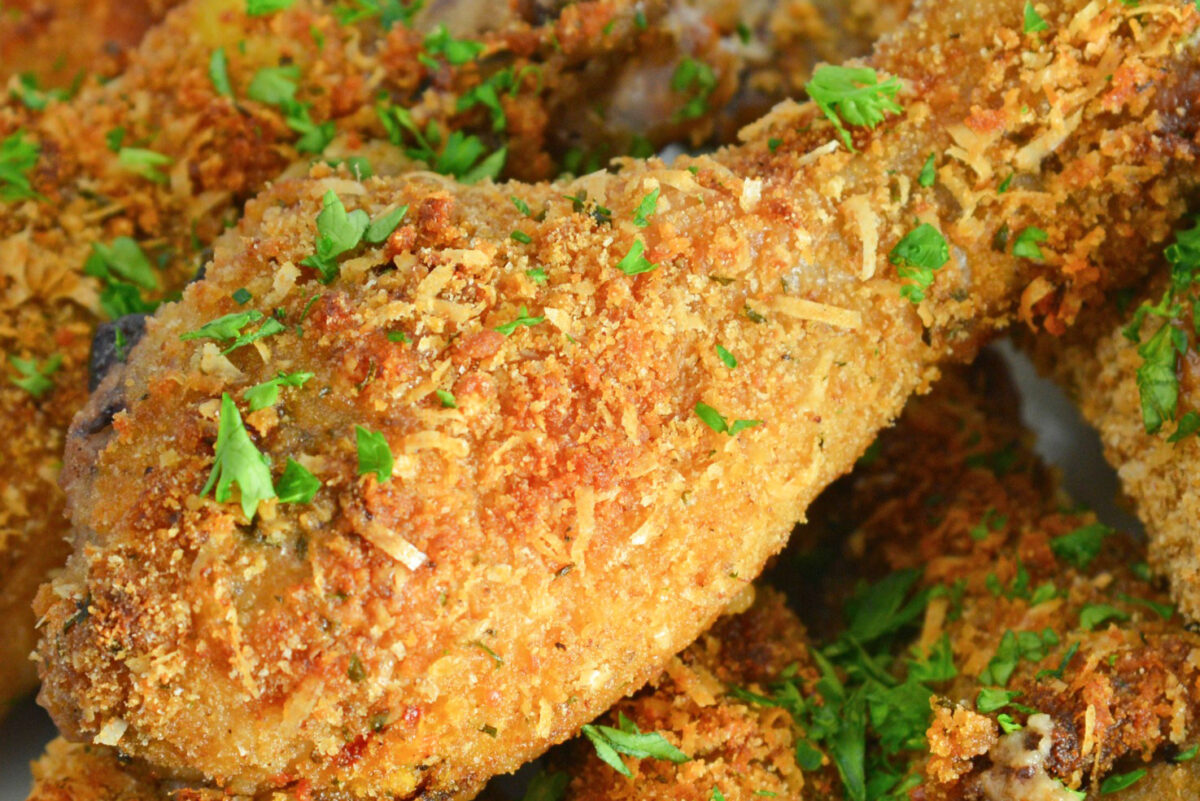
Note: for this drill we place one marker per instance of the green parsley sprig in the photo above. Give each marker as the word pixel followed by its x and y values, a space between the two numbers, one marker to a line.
pixel 18 155
pixel 853 96
pixel 627 739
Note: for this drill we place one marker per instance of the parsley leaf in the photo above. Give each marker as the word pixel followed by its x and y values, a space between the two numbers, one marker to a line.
pixel 447 399
pixel 1115 784
pixel 918 255
pixel 1026 244
pixel 1093 615
pixel 34 379
pixel 383 226
pixel 123 258
pixel 338 232
pixel 237 460
pixel 727 358
pixel 1082 545
pixel 144 162
pixel 218 72
pixel 717 422
pixel 698 78
pixel 928 174
pixel 853 96
pixel 628 739
pixel 439 42
pixel 260 396
pixel 374 454
pixel 1188 755
pixel 1033 20
pixel 274 85
pixel 523 319
pixel 991 699
pixel 259 8
pixel 17 157
pixel 461 155
pixel 297 484
pixel 645 209
pixel 634 263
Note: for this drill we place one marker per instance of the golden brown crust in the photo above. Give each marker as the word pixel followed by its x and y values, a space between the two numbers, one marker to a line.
pixel 580 452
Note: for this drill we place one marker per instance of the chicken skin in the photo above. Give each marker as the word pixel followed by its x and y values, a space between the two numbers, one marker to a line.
pixel 519 473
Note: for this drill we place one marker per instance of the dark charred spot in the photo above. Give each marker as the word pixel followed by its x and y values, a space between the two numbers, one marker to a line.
pixel 111 346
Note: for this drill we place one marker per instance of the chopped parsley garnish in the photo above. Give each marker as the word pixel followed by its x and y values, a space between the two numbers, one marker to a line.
pixel 277 86
pixel 1082 545
pixel 114 138
pixel 122 267
pixel 1059 671
pixel 991 522
pixel 918 255
pixel 439 42
pixel 645 209
pixel 610 743
pixel 1006 183
pixel 230 326
pixel 274 85
pixel 1115 784
pixel 18 156
pixel 260 396
pixel 338 232
pixel 1093 615
pixel 537 275
pixel 447 399
pixel 1165 611
pixel 355 671
pixel 1033 20
pixel 259 8
pixel 928 175
pixel 521 205
pixel 853 96
pixel 144 162
pixel 374 454
pixel 1188 424
pixel 991 699
pixel 242 296
pixel 1188 755
pixel 717 422
pixel 461 155
pixel 398 336
pixel 297 484
pixel 1007 724
pixel 1026 244
pixel 389 12
pixel 634 263
pixel 523 319
pixel 727 358
pixel 383 226
pixel 29 93
pixel 521 236
pixel 1157 377
pixel 698 79
pixel 237 460
pixel 218 72
pixel 35 379
pixel 1013 647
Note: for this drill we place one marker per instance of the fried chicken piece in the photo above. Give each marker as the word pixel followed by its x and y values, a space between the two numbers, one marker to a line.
pixel 59 42
pixel 221 151
pixel 443 608
pixel 1101 368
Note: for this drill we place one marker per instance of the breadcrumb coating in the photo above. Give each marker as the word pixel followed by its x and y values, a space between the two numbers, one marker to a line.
pixel 549 540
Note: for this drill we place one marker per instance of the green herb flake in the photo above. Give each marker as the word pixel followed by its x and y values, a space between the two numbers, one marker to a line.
pixel 260 396
pixel 1081 546
pixel 230 326
pixel 610 743
pixel 1115 784
pixel 447 399
pixel 1025 246
pixel 260 8
pixel 1006 183
pixel 242 296
pixel 398 336
pixel 727 358
pixel 521 205
pixel 1007 723
pixel 521 236
pixel 297 484
pixel 537 275
pixel 853 96
pixel 646 209
pixel 918 256
pixel 114 138
pixel 356 672
pixel 634 263
pixel 218 72
pixel 35 378
pixel 928 175
pixel 374 454
pixel 439 42
pixel 237 460
pixel 1093 615
pixel 991 699
pixel 383 226
pixel 18 156
pixel 144 162
pixel 523 319
pixel 1033 20
pixel 338 232
pixel 1186 756
pixel 717 422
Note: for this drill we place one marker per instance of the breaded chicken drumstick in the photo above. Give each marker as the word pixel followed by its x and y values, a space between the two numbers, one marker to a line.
pixel 488 467
pixel 131 181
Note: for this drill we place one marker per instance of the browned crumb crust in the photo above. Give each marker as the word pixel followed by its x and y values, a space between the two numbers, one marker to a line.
pixel 743 749
pixel 573 514
pixel 958 493
pixel 222 151
pixel 61 42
